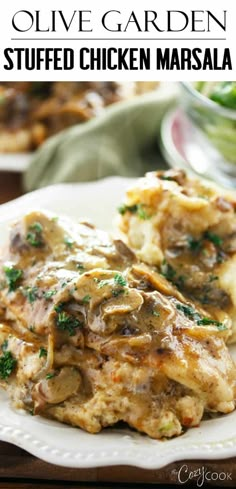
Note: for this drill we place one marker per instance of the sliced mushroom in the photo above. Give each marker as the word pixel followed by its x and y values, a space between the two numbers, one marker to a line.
pixel 156 280
pixel 123 250
pixel 105 319
pixel 123 304
pixel 57 388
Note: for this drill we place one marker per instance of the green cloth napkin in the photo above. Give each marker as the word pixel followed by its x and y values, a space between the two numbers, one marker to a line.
pixel 118 142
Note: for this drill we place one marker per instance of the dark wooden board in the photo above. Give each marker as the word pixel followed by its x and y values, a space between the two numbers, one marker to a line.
pixel 10 186
pixel 16 463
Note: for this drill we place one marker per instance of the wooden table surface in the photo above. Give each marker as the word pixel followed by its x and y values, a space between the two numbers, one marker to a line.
pixel 10 186
pixel 20 470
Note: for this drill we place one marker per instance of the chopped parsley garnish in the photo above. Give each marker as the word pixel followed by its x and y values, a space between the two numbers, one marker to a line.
pixel 167 271
pixel 142 213
pixel 188 311
pixel 48 294
pixel 31 293
pixel 59 307
pixel 212 278
pixel 34 236
pixel 86 299
pixel 66 322
pixel 102 283
pixel 5 345
pixel 194 244
pixel 214 238
pixel 65 283
pixel 166 177
pixel 156 314
pixel 128 208
pixel 42 352
pixel 120 280
pixel 7 365
pixel 117 292
pixel 197 244
pixel 80 267
pixel 209 321
pixel 32 328
pixel 13 276
pixel 171 274
pixel 191 313
pixel 138 209
pixel 69 241
pixel 50 376
pixel 37 227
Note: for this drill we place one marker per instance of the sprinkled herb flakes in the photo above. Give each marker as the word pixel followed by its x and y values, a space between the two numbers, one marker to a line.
pixel 214 238
pixel 117 292
pixel 7 364
pixel 168 271
pixel 197 245
pixel 34 236
pixel 69 242
pixel 42 352
pixel 138 209
pixel 213 278
pixel 13 276
pixel 194 244
pixel 127 208
pixel 80 267
pixel 50 376
pixel 120 280
pixel 67 322
pixel 191 313
pixel 86 299
pixel 48 294
pixel 167 177
pixel 31 293
pixel 156 314
pixel 188 311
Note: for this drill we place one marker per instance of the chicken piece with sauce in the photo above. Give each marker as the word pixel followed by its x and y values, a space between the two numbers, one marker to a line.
pixel 90 336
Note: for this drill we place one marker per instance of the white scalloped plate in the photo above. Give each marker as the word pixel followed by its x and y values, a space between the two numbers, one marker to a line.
pixel 72 447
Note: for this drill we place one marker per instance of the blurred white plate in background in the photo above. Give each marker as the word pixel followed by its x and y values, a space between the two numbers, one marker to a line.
pixel 18 162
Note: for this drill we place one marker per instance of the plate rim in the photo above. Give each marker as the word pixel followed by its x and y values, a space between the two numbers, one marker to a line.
pixel 131 456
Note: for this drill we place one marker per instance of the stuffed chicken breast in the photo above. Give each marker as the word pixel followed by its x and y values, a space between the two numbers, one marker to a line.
pixel 90 336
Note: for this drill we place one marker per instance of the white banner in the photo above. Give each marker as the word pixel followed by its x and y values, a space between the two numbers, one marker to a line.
pixel 116 40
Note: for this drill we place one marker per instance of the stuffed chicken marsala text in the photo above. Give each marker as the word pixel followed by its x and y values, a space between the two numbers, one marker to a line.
pixel 90 336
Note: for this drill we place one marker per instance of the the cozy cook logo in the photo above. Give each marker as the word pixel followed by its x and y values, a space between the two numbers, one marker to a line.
pixel 200 476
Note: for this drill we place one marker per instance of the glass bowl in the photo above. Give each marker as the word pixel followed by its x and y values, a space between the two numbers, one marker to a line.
pixel 216 123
